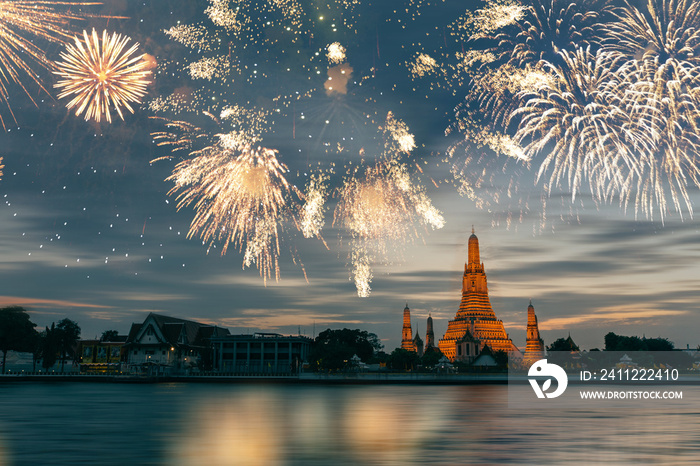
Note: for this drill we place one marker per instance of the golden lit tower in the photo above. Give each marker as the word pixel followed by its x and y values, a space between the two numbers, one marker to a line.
pixel 429 334
pixel 407 333
pixel 475 311
pixel 534 349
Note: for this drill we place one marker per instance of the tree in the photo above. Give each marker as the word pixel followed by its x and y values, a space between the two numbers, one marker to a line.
pixel 16 331
pixel 402 359
pixel 332 349
pixel 109 335
pixel 658 344
pixel 615 342
pixel 49 346
pixel 431 357
pixel 35 343
pixel 501 358
pixel 563 344
pixel 68 336
pixel 379 357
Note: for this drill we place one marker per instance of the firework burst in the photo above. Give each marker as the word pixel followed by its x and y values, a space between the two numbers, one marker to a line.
pixel 335 53
pixel 239 189
pixel 39 19
pixel 584 126
pixel 100 74
pixel 382 206
pixel 662 75
pixel 241 197
pixel 594 97
pixel 545 28
pixel 381 210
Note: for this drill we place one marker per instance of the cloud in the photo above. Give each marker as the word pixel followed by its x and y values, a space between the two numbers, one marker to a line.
pixel 262 319
pixel 626 314
pixel 46 303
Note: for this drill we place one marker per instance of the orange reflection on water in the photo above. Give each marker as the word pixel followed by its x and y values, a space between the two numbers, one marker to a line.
pixel 266 426
pixel 222 432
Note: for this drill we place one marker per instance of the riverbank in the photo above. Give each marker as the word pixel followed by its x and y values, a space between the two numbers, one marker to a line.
pixel 311 378
pixel 362 378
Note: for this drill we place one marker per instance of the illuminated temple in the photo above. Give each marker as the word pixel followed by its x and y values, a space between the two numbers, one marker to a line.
pixel 534 347
pixel 475 320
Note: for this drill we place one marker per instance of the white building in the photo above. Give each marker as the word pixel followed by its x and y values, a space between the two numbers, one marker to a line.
pixel 163 344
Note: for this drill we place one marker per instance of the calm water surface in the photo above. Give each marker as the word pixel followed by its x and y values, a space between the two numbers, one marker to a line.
pixel 203 424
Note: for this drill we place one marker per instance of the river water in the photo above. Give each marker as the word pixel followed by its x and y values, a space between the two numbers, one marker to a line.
pixel 259 424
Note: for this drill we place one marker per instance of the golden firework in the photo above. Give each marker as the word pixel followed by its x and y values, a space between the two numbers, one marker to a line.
pixel 100 74
pixel 39 19
pixel 547 27
pixel 397 137
pixel 661 47
pixel 423 64
pixel 583 126
pixel 312 215
pixel 335 53
pixel 241 197
pixel 381 211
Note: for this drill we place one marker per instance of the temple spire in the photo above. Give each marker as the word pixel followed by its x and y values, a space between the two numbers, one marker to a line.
pixel 474 258
pixel 534 348
pixel 429 334
pixel 407 332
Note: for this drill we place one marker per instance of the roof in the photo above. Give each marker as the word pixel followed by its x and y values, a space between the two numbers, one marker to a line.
pixel 484 360
pixel 177 331
pixel 466 337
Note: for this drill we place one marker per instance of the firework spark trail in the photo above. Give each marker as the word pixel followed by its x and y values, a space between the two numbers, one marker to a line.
pixel 312 217
pixel 238 17
pixel 423 65
pixel 497 15
pixel 399 140
pixel 381 206
pixel 502 91
pixel 283 54
pixel 209 68
pixel 40 19
pixel 195 37
pixel 181 135
pixel 99 74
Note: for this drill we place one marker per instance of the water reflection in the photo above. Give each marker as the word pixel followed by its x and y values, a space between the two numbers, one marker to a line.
pixel 184 424
pixel 307 425
pixel 427 425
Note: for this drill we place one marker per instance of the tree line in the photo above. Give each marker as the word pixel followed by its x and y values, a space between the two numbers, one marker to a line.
pixel 55 343
pixel 332 350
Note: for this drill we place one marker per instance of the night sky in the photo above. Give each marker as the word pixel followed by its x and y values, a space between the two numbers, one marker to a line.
pixel 90 233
